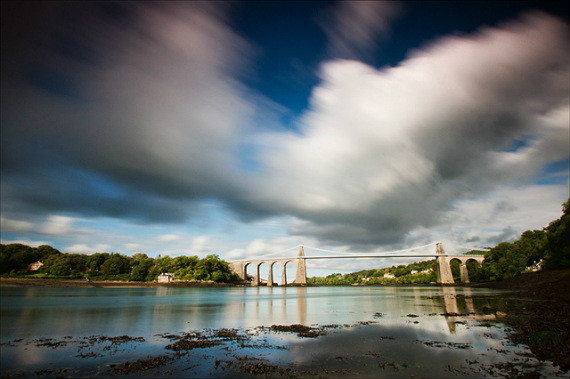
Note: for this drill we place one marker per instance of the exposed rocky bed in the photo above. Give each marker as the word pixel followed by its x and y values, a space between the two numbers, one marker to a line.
pixel 539 313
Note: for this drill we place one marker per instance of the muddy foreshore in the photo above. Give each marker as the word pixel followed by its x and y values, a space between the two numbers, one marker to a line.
pixel 539 313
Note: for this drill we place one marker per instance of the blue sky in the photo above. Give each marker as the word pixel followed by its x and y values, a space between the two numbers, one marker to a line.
pixel 246 128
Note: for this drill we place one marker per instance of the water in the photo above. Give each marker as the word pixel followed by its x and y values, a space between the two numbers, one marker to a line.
pixel 366 331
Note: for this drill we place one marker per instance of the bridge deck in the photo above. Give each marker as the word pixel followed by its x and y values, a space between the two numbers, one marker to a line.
pixel 361 256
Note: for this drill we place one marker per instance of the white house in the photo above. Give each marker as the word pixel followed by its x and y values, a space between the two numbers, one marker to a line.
pixel 535 267
pixel 389 275
pixel 165 277
pixel 35 266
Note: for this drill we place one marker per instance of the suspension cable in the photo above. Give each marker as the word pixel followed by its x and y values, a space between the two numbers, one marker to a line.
pixel 383 252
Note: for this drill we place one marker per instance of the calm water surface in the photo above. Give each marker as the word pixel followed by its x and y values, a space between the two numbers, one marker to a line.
pixel 368 331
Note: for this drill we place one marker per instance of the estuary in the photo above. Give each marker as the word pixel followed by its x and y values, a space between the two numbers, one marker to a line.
pixel 245 331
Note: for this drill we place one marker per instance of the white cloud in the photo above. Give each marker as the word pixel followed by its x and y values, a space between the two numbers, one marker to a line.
pixel 85 249
pixel 15 225
pixel 385 151
pixel 168 237
pixel 57 224
pixel 28 242
pixel 200 243
pixel 133 247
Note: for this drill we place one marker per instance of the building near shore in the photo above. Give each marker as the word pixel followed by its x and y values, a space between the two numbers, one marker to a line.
pixel 35 266
pixel 165 277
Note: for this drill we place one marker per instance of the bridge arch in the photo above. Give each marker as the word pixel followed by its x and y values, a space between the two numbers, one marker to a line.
pixel 445 275
pixel 264 272
pixel 248 271
pixel 242 267
pixel 289 268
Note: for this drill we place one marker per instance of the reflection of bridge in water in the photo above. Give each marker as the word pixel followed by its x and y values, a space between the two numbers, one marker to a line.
pixel 443 272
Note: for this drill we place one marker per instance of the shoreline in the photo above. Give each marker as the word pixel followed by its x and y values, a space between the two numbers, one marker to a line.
pixel 81 283
pixel 540 285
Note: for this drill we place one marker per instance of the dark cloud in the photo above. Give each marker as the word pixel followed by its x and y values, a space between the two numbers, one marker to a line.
pixel 135 97
pixel 133 110
pixel 507 235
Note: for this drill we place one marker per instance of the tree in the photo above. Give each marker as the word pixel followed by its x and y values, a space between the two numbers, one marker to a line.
pixel 115 265
pixel 141 267
pixel 65 264
pixel 557 249
pixel 45 251
pixel 455 270
pixel 17 257
pixel 95 261
pixel 475 270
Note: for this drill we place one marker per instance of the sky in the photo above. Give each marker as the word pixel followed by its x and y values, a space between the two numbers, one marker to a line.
pixel 247 128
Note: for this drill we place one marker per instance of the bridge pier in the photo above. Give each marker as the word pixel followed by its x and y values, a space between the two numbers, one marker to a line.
pixel 444 275
pixel 270 275
pixel 301 274
pixel 256 279
pixel 464 274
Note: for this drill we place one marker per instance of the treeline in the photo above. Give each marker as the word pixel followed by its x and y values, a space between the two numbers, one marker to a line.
pixel 414 273
pixel 15 260
pixel 549 248
pixel 546 249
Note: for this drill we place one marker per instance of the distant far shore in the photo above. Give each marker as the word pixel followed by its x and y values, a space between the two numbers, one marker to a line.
pixel 542 285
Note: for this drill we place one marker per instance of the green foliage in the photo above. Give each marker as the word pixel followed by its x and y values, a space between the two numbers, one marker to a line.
pixel 475 271
pixel 45 251
pixel 115 265
pixel 65 265
pixel 455 271
pixel 141 267
pixel 402 273
pixel 95 261
pixel 215 269
pixel 15 258
pixel 557 247
pixel 503 262
pixel 475 252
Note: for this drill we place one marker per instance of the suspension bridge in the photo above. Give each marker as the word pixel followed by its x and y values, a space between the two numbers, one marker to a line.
pixel 443 270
